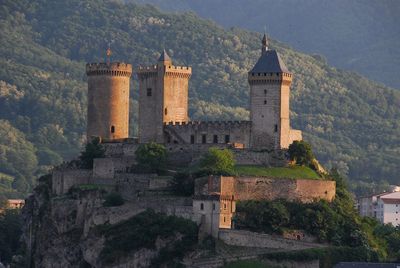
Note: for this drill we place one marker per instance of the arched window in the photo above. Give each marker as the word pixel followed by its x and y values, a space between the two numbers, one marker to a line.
pixel 165 111
pixel 112 129
pixel 201 206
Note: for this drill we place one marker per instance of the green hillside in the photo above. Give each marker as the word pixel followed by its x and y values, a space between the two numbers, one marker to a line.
pixel 358 35
pixel 351 122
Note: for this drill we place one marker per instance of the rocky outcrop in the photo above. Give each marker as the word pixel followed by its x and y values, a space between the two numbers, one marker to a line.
pixel 62 231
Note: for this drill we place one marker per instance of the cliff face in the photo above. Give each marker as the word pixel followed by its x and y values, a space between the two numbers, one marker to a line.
pixel 66 231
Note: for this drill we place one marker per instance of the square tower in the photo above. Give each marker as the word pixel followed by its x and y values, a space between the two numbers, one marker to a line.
pixel 270 82
pixel 163 97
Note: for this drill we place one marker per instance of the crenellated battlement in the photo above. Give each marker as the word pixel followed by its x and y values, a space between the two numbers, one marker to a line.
pixel 112 69
pixel 168 70
pixel 207 124
pixel 269 78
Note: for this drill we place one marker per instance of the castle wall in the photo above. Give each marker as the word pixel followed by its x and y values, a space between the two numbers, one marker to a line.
pixel 301 190
pixel 213 132
pixel 262 188
pixel 108 100
pixel 63 180
pixel 295 135
pixel 106 168
pixel 120 149
pixel 250 239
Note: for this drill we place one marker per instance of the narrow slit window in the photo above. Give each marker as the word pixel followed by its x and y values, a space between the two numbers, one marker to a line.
pixel 276 128
pixel 192 139
pixel 227 139
pixel 112 129
pixel 149 93
pixel 203 138
pixel 165 111
pixel 201 206
pixel 265 102
pixel 215 139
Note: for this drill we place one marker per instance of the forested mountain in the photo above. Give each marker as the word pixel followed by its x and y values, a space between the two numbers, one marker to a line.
pixel 358 35
pixel 352 123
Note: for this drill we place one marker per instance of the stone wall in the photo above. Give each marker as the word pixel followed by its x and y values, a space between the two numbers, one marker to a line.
pixel 63 180
pixel 250 239
pixel 212 132
pixel 275 158
pixel 120 149
pixel 261 188
pixel 105 168
pixel 295 135
pixel 133 186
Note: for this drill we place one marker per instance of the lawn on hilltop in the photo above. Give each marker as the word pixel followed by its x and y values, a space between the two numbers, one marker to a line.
pixel 292 172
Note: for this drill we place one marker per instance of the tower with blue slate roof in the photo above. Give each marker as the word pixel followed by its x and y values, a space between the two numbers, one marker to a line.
pixel 270 82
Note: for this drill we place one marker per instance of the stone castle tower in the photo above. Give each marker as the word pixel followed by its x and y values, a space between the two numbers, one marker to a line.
pixel 163 97
pixel 270 82
pixel 108 100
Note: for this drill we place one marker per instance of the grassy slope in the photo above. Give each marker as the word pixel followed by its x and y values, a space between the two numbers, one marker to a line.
pixel 295 172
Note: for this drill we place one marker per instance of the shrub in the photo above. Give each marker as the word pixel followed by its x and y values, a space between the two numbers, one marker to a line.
pixel 113 200
pixel 151 157
pixel 300 151
pixel 183 184
pixel 93 150
pixel 142 231
pixel 218 162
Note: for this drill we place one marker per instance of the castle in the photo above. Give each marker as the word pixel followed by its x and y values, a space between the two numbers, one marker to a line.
pixel 163 106
pixel 164 119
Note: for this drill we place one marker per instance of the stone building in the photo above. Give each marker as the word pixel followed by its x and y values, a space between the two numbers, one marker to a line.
pixel 108 100
pixel 163 106
pixel 163 97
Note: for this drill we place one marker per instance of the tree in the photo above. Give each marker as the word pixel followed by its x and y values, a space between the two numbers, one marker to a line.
pixel 10 232
pixel 151 157
pixel 93 150
pixel 183 184
pixel 300 151
pixel 218 162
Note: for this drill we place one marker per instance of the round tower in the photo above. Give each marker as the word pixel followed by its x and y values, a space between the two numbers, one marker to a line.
pixel 108 100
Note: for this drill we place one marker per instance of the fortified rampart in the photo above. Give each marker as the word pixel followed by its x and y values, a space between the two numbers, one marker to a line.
pixel 303 190
pixel 263 188
pixel 64 179
pixel 249 239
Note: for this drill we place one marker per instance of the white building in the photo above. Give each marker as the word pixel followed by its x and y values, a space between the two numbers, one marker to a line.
pixel 388 208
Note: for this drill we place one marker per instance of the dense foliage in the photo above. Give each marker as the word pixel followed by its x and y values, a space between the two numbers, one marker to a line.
pixel 301 153
pixel 10 233
pixel 183 184
pixel 113 199
pixel 352 123
pixel 337 223
pixel 93 149
pixel 142 231
pixel 348 33
pixel 151 157
pixel 218 162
